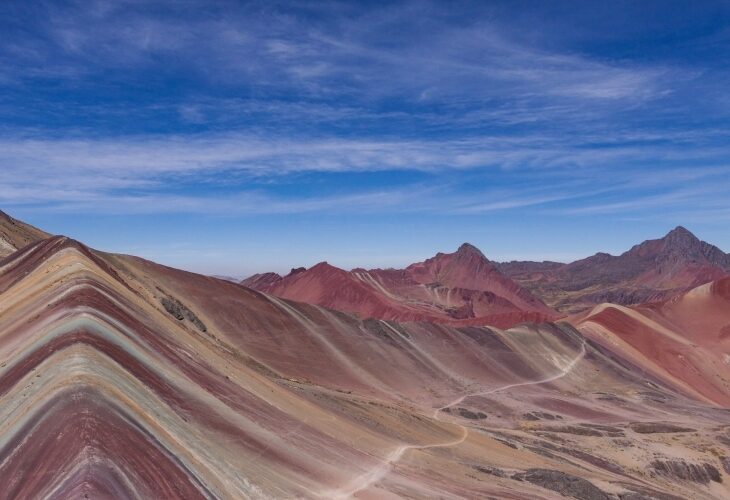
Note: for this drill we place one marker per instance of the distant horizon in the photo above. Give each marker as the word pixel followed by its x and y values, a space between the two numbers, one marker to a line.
pixel 232 138
pixel 286 269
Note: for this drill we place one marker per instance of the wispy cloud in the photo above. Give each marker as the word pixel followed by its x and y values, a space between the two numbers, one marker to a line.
pixel 239 203
pixel 128 107
pixel 142 174
pixel 131 158
pixel 324 51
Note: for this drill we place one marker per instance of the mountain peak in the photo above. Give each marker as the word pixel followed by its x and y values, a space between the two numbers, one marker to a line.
pixel 678 241
pixel 680 229
pixel 469 249
pixel 680 246
pixel 681 232
pixel 681 239
pixel 320 268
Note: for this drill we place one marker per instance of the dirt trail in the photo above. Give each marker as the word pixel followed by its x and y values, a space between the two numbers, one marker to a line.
pixel 372 477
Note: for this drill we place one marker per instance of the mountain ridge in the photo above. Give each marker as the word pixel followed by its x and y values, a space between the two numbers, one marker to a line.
pixel 650 270
pixel 124 378
pixel 15 234
pixel 463 286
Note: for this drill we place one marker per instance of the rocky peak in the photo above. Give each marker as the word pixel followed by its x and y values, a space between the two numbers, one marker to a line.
pixel 467 261
pixel 469 250
pixel 681 246
pixel 680 230
pixel 680 242
pixel 680 237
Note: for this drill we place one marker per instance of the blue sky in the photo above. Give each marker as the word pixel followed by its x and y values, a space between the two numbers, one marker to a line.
pixel 232 137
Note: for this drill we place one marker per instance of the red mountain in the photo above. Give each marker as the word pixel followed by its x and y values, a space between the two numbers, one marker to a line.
pixel 461 287
pixel 652 270
pixel 684 340
pixel 261 281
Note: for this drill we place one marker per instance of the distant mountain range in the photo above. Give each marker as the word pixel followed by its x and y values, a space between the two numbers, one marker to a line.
pixel 465 287
pixel 652 270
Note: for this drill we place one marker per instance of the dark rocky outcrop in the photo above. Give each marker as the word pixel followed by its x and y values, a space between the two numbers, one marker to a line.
pixel 687 471
pixel 606 428
pixel 642 493
pixel 565 484
pixel 658 427
pixel 471 415
pixel 376 327
pixel 586 457
pixel 540 415
pixel 725 461
pixel 573 429
pixel 492 471
pixel 180 312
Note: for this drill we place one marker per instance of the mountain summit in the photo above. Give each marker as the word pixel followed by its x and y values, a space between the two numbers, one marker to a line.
pixel 462 287
pixel 681 246
pixel 468 249
pixel 652 270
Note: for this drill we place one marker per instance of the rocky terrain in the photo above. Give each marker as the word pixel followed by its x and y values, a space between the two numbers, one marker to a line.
pixel 123 378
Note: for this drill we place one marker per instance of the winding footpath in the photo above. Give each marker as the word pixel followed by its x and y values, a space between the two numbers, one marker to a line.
pixel 372 477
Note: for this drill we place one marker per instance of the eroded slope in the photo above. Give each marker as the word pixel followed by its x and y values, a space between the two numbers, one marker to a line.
pixel 122 378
